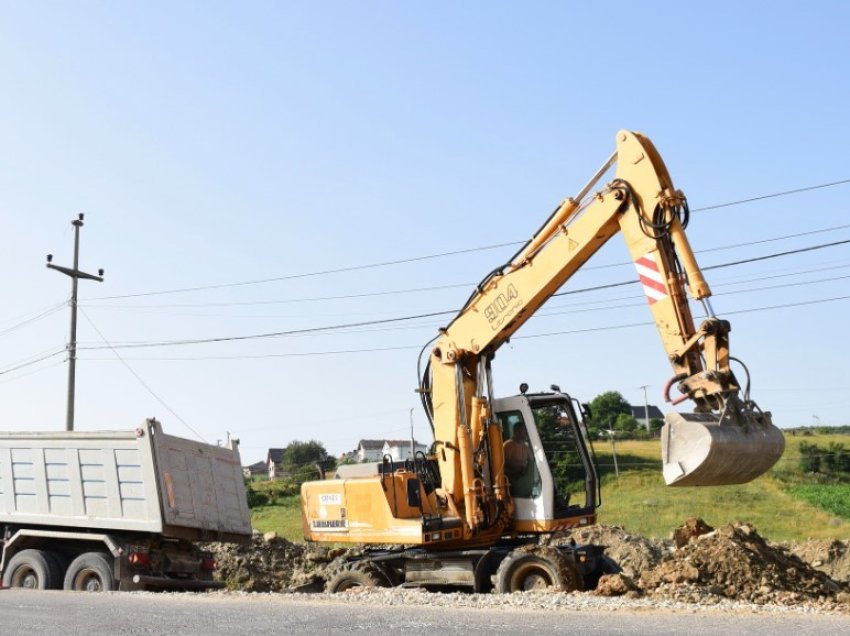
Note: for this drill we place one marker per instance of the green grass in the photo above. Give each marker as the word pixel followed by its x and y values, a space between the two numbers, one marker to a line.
pixel 284 518
pixel 834 498
pixel 640 502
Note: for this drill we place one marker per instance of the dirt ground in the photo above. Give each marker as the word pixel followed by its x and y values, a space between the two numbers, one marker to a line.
pixel 696 564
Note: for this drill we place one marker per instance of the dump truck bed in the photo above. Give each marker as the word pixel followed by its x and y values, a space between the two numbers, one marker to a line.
pixel 140 480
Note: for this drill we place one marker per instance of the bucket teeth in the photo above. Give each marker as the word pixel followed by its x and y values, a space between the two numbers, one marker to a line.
pixel 703 449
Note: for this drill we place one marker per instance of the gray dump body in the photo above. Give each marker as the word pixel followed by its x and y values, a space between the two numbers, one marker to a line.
pixel 131 481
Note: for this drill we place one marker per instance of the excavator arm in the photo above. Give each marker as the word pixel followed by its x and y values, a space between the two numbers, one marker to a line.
pixel 727 440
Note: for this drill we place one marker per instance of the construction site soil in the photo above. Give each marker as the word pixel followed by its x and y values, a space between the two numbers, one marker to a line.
pixel 698 564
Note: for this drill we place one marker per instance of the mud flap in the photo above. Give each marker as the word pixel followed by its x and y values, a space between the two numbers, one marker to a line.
pixel 704 449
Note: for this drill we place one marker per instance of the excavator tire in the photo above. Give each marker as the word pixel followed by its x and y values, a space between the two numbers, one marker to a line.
pixel 536 567
pixel 357 576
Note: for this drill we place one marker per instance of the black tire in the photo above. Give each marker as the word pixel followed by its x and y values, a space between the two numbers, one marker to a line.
pixel 59 564
pixel 357 576
pixel 31 569
pixel 535 568
pixel 90 572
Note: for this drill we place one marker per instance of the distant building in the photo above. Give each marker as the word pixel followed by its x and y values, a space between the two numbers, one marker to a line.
pixel 260 468
pixel 370 450
pixel 374 450
pixel 273 459
pixel 399 450
pixel 639 413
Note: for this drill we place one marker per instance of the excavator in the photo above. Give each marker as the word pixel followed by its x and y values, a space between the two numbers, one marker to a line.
pixel 504 475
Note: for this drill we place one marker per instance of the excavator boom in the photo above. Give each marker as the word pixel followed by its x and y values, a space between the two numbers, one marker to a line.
pixel 727 440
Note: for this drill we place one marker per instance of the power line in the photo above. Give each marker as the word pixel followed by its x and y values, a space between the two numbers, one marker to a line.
pixel 292 332
pixel 141 381
pixel 771 196
pixel 47 312
pixel 414 259
pixel 32 362
pixel 755 259
pixel 443 287
pixel 523 337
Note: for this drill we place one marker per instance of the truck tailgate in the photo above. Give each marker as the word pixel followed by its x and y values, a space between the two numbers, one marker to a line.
pixel 202 487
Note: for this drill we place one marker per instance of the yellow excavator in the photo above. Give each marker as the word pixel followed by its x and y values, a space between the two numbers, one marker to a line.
pixel 506 472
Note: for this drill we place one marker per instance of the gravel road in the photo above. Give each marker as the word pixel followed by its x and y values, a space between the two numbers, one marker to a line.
pixel 410 611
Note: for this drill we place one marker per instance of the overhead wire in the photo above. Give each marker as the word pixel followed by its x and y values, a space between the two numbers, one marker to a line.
pixel 352 268
pixel 290 332
pixel 141 381
pixel 433 287
pixel 521 337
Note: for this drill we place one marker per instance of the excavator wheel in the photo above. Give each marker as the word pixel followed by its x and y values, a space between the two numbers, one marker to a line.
pixel 534 567
pixel 357 576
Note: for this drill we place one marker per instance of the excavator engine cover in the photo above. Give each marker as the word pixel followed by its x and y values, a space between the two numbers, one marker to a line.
pixel 704 449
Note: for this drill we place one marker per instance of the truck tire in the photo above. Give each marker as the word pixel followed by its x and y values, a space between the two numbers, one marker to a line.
pixel 31 569
pixel 90 572
pixel 536 567
pixel 357 576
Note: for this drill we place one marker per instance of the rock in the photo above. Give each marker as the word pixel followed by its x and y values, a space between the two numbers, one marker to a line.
pixel 615 585
pixel 692 528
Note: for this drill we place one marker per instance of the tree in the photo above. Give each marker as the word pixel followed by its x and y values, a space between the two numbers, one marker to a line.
pixel 606 408
pixel 300 460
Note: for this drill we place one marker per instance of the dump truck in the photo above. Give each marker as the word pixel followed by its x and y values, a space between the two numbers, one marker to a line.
pixel 116 510
pixel 477 511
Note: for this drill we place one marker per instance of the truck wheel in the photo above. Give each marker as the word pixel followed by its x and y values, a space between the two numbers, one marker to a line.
pixel 358 576
pixel 31 569
pixel 90 572
pixel 537 568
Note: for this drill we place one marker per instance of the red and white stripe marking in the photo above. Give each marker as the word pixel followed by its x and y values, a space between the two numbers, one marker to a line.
pixel 650 278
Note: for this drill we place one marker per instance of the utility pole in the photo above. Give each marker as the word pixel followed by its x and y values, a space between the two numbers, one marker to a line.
pixel 612 434
pixel 75 274
pixel 645 405
pixel 412 440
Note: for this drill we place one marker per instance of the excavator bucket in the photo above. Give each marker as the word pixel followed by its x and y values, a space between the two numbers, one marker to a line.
pixel 703 449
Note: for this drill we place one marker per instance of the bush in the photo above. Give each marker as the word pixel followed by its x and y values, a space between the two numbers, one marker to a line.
pixel 256 499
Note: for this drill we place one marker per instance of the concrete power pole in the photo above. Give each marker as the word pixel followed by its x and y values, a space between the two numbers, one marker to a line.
pixel 645 405
pixel 75 274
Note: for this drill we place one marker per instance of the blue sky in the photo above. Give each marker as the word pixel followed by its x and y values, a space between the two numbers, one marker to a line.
pixel 219 143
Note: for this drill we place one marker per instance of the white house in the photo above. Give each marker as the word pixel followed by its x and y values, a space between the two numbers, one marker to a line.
pixel 370 450
pixel 399 450
pixel 639 413
pixel 374 450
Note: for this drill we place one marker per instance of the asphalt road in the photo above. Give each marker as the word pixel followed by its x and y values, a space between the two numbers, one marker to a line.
pixel 68 613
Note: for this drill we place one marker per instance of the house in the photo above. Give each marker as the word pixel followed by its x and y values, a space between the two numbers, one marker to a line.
pixel 399 450
pixel 259 468
pixel 374 450
pixel 273 459
pixel 370 450
pixel 639 413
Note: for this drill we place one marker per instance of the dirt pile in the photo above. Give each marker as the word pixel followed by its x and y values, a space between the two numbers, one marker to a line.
pixel 273 564
pixel 732 562
pixel 736 562
pixel 830 557
pixel 632 553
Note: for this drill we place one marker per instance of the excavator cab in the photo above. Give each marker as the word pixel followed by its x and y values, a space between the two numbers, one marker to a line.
pixel 558 482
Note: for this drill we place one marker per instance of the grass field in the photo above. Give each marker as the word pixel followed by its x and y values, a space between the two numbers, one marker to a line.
pixel 782 505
